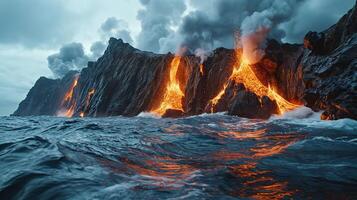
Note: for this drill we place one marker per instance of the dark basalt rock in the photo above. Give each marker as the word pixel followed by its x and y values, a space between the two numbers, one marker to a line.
pixel 281 69
pixel 331 81
pixel 331 78
pixel 172 113
pixel 248 104
pixel 315 42
pixel 227 98
pixel 201 88
pixel 45 97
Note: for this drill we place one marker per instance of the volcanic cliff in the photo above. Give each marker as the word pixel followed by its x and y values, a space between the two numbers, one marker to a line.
pixel 321 74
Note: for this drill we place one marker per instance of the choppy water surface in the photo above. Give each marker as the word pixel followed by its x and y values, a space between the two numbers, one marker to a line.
pixel 202 157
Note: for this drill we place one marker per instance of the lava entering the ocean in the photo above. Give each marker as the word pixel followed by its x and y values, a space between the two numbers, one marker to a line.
pixel 172 98
pixel 68 104
pixel 243 73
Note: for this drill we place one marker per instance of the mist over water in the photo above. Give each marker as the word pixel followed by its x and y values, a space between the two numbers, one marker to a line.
pixel 211 156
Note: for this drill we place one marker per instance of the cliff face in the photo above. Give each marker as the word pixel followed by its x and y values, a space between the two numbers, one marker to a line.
pixel 330 69
pixel 127 81
pixel 45 97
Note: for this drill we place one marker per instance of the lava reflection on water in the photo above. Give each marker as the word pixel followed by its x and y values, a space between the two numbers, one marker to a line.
pixel 256 182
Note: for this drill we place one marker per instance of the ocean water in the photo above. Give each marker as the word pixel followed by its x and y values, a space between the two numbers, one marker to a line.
pixel 295 156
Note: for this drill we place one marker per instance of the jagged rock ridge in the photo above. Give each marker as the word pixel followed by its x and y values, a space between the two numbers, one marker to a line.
pixel 127 81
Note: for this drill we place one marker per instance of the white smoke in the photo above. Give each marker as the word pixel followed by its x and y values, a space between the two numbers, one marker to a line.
pixel 256 27
pixel 202 54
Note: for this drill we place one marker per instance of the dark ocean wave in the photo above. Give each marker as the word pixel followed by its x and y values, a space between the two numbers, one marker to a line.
pixel 201 157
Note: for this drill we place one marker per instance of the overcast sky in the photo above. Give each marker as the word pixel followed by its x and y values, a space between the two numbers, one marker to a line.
pixel 49 37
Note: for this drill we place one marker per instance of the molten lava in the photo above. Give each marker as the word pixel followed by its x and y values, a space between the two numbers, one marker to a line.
pixel 67 103
pixel 173 95
pixel 201 69
pixel 243 73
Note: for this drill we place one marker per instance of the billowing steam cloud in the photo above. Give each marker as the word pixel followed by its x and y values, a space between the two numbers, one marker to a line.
pixel 73 57
pixel 157 21
pixel 70 57
pixel 256 27
pixel 205 25
pixel 212 23
pixel 202 54
pixel 209 25
pixel 112 27
pixel 97 49
pixel 117 28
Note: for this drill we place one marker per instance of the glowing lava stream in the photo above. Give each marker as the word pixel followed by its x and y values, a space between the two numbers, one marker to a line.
pixel 173 94
pixel 244 74
pixel 68 98
pixel 201 69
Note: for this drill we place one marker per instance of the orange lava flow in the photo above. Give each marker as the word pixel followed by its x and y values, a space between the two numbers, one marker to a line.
pixel 216 99
pixel 243 73
pixel 68 99
pixel 69 94
pixel 201 69
pixel 173 94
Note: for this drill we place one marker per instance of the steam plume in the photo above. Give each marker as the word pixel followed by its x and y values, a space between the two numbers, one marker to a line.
pixel 256 27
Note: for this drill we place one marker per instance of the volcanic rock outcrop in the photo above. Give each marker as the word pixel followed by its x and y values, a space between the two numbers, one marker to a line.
pixel 126 81
pixel 330 69
pixel 45 97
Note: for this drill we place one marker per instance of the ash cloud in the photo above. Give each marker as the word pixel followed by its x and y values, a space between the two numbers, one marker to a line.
pixel 97 49
pixel 157 18
pixel 70 57
pixel 209 25
pixel 112 27
pixel 169 26
pixel 212 23
pixel 118 28
pixel 256 27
